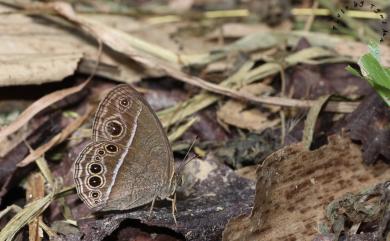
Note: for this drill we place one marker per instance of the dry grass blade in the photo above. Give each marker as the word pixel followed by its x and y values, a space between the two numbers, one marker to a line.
pixel 56 139
pixel 38 106
pixel 118 41
pixel 179 112
pixel 25 216
pixel 244 76
pixel 13 208
pixel 312 119
pixel 178 132
pixel 45 170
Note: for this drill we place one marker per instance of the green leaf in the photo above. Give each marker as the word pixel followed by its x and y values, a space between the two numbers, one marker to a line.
pixel 353 71
pixel 384 93
pixel 377 75
pixel 374 50
pixel 374 70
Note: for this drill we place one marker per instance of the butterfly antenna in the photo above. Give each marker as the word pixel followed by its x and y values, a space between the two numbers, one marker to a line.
pixel 189 149
pixel 188 152
pixel 188 161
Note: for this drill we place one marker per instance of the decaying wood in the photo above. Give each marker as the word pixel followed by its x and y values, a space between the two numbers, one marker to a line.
pixel 295 185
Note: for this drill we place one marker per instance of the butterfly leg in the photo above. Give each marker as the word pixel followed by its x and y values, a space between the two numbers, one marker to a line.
pixel 151 207
pixel 174 209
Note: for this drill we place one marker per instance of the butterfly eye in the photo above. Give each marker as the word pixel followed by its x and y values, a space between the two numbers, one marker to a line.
pixel 124 102
pixel 111 148
pixel 95 168
pixel 95 181
pixel 114 128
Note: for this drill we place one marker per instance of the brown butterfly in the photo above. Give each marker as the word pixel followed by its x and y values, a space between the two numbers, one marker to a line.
pixel 129 162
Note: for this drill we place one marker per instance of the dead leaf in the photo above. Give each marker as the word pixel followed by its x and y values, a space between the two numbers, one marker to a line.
pixel 313 81
pixel 27 69
pixel 58 45
pixel 234 113
pixel 255 119
pixel 294 186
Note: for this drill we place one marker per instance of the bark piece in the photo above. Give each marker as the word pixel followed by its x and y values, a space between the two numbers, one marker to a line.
pixel 294 186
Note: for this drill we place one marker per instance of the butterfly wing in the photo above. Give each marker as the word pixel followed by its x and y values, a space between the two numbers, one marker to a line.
pixel 142 169
pixel 92 172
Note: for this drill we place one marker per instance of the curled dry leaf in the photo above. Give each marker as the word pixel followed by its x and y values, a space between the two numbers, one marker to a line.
pixel 295 185
pixel 255 119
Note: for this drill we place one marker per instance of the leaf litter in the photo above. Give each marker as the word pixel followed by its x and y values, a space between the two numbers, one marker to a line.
pixel 285 132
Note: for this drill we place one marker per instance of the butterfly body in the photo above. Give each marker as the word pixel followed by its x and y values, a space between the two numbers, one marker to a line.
pixel 129 162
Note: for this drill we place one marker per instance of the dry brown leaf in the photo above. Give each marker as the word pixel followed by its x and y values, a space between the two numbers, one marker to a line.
pixel 27 69
pixel 294 186
pixel 236 113
pixel 54 41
